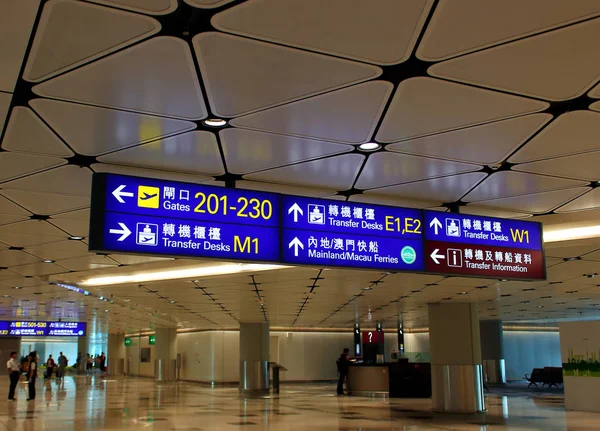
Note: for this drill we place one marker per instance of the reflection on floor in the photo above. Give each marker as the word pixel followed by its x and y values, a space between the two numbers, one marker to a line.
pixel 93 403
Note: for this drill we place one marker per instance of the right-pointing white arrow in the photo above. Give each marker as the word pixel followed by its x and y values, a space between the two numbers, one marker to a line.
pixel 296 243
pixel 435 224
pixel 434 256
pixel 124 232
pixel 119 194
pixel 295 209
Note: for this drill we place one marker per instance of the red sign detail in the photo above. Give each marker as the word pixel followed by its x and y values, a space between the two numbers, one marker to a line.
pixel 483 260
pixel 372 337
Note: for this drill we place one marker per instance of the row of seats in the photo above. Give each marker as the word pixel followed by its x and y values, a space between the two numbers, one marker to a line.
pixel 551 376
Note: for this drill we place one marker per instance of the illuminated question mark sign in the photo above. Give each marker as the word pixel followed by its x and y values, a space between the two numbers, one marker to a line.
pixel 370 337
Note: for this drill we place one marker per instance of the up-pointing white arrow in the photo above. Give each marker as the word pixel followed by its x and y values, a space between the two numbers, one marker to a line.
pixel 436 224
pixel 296 210
pixel 434 256
pixel 296 243
pixel 124 232
pixel 119 194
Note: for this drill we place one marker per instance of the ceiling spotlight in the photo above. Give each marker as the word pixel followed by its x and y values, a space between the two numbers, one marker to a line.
pixel 215 122
pixel 369 146
pixel 75 238
pixel 48 261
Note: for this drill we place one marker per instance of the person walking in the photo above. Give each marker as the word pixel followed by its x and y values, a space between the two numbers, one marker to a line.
pixel 32 374
pixel 14 371
pixel 62 364
pixel 342 364
pixel 50 365
pixel 89 362
pixel 102 362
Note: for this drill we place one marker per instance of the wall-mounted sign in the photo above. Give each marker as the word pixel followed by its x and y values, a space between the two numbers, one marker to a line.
pixel 152 340
pixel 127 341
pixel 167 218
pixel 372 337
pixel 25 328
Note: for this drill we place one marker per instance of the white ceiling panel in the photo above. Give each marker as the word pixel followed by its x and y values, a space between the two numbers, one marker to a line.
pixel 16 21
pixel 92 131
pixel 489 212
pixel 595 106
pixel 483 24
pixel 243 75
pixel 595 92
pixel 14 165
pixel 16 257
pixel 580 166
pixel 441 190
pixel 384 169
pixel 551 55
pixel 571 133
pixel 565 251
pixel 87 263
pixel 207 4
pixel 5 99
pixel 445 106
pixel 337 173
pixel 83 214
pixel 369 197
pixel 72 227
pixel 71 180
pixel 71 33
pixel 193 152
pixel 33 227
pixel 509 183
pixel 45 203
pixel 348 115
pixel 134 80
pixel 150 173
pixel 537 203
pixel 26 133
pixel 250 151
pixel 486 144
pixel 362 32
pixel 10 208
pixel 154 7
pixel 588 201
pixel 59 250
pixel 38 269
pixel 289 190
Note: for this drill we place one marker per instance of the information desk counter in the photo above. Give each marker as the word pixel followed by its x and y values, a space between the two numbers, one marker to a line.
pixel 398 379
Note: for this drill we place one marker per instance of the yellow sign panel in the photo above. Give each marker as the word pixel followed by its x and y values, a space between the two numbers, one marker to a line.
pixel 148 197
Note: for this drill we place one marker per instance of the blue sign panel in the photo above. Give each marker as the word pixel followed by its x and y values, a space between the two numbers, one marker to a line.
pixel 142 215
pixel 338 249
pixel 332 233
pixel 179 237
pixel 27 328
pixel 349 217
pixel 479 230
pixel 171 199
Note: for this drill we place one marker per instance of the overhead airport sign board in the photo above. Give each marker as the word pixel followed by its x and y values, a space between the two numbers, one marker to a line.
pixel 168 218
pixel 30 328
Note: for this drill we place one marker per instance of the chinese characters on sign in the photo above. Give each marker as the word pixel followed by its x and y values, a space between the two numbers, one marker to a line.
pixel 42 329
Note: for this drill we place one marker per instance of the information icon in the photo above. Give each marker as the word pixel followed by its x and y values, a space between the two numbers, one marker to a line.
pixel 455 257
pixel 147 234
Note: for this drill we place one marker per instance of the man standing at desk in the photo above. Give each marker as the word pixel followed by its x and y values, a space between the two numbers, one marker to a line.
pixel 342 365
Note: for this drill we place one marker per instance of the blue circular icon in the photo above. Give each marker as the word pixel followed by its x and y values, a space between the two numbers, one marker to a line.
pixel 408 255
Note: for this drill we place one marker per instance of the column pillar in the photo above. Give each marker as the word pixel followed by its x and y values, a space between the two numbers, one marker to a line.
pixel 83 347
pixel 115 354
pixel 492 351
pixel 165 354
pixel 254 358
pixel 454 345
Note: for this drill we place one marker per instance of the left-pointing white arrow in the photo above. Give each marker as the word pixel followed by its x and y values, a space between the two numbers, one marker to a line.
pixel 435 256
pixel 296 243
pixel 124 232
pixel 119 194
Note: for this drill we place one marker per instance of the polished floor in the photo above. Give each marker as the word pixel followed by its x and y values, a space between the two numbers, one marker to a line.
pixel 94 403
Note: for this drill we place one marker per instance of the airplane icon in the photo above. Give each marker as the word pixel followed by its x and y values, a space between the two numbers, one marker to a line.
pixel 148 196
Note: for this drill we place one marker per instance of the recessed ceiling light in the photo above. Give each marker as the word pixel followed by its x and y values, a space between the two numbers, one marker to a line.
pixel 215 122
pixel 369 146
pixel 17 287
pixel 48 261
pixel 75 238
